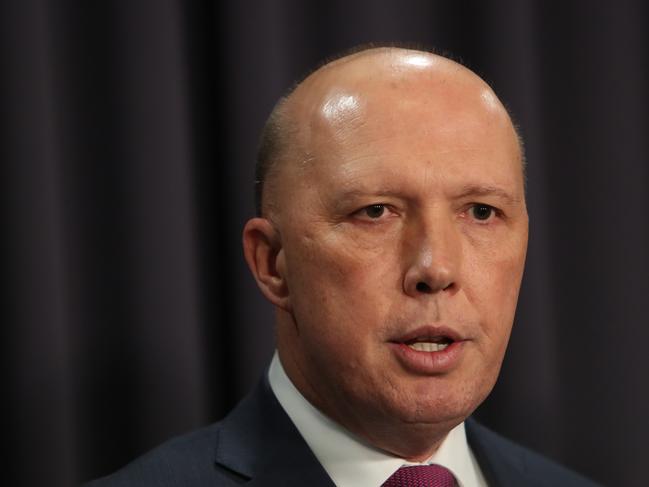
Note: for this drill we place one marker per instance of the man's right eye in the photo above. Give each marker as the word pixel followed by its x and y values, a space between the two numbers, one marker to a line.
pixel 374 211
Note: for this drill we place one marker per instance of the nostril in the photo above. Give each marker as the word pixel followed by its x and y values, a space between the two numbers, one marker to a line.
pixel 422 287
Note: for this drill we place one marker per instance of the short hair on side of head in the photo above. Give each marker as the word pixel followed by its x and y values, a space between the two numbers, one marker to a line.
pixel 276 134
pixel 521 144
pixel 272 145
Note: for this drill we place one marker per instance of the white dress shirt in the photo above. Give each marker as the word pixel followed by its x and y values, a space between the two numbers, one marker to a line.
pixel 349 461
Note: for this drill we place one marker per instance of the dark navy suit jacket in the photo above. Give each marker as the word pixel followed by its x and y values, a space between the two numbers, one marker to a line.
pixel 258 445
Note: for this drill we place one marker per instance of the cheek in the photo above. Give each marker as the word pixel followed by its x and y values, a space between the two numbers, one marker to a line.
pixel 346 263
pixel 340 288
pixel 494 276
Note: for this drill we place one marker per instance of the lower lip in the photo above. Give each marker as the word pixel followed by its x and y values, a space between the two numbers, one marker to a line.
pixel 429 363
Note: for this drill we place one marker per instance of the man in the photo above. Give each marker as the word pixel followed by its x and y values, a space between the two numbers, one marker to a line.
pixel 391 238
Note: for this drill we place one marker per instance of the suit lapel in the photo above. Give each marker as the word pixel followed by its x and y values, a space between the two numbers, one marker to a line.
pixel 259 441
pixel 501 467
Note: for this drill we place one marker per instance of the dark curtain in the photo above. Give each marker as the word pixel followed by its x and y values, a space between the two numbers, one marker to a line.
pixel 128 145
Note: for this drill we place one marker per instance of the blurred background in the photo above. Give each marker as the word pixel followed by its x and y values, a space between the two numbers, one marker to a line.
pixel 127 154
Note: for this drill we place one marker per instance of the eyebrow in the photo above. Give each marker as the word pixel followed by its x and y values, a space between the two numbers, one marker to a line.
pixel 468 191
pixel 347 194
pixel 351 193
pixel 480 190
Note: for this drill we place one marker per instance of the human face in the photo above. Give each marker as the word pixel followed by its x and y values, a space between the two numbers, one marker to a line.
pixel 406 224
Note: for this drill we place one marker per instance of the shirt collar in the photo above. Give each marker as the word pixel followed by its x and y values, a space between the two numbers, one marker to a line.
pixel 349 460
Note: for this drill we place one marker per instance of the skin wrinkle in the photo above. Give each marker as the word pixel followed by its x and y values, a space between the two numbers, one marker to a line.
pixel 352 281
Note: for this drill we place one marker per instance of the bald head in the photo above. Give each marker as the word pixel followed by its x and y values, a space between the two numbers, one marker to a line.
pixel 343 93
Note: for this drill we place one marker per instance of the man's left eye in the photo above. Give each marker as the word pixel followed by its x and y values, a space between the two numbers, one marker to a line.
pixel 482 212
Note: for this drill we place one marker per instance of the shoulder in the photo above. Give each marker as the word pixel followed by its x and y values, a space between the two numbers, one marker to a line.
pixel 510 464
pixel 255 439
pixel 187 460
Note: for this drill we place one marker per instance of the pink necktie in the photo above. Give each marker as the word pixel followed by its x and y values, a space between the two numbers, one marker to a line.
pixel 421 476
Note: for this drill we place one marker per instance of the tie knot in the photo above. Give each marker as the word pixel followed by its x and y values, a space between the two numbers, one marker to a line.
pixel 421 476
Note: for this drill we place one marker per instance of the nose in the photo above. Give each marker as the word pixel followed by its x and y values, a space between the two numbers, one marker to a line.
pixel 432 259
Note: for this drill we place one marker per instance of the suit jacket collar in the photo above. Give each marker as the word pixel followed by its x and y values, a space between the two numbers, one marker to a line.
pixel 500 468
pixel 259 441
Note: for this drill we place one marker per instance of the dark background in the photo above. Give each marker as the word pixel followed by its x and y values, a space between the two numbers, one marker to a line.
pixel 127 164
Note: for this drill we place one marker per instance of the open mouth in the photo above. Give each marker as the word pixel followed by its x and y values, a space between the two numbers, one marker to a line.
pixel 429 344
pixel 429 349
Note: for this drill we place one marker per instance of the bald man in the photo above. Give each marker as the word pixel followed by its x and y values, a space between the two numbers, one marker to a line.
pixel 390 237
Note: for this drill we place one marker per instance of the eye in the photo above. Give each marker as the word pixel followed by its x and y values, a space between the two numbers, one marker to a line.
pixel 482 212
pixel 374 211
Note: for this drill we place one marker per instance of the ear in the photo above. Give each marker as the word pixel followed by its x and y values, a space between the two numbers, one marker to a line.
pixel 264 254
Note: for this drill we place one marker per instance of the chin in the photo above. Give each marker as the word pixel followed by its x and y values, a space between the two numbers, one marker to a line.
pixel 448 407
pixel 430 415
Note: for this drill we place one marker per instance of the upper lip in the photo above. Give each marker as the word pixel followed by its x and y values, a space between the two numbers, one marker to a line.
pixel 428 331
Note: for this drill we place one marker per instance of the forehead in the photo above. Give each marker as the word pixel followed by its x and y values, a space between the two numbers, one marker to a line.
pixel 404 121
pixel 387 120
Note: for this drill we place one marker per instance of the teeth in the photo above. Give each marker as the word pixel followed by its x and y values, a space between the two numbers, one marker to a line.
pixel 428 346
